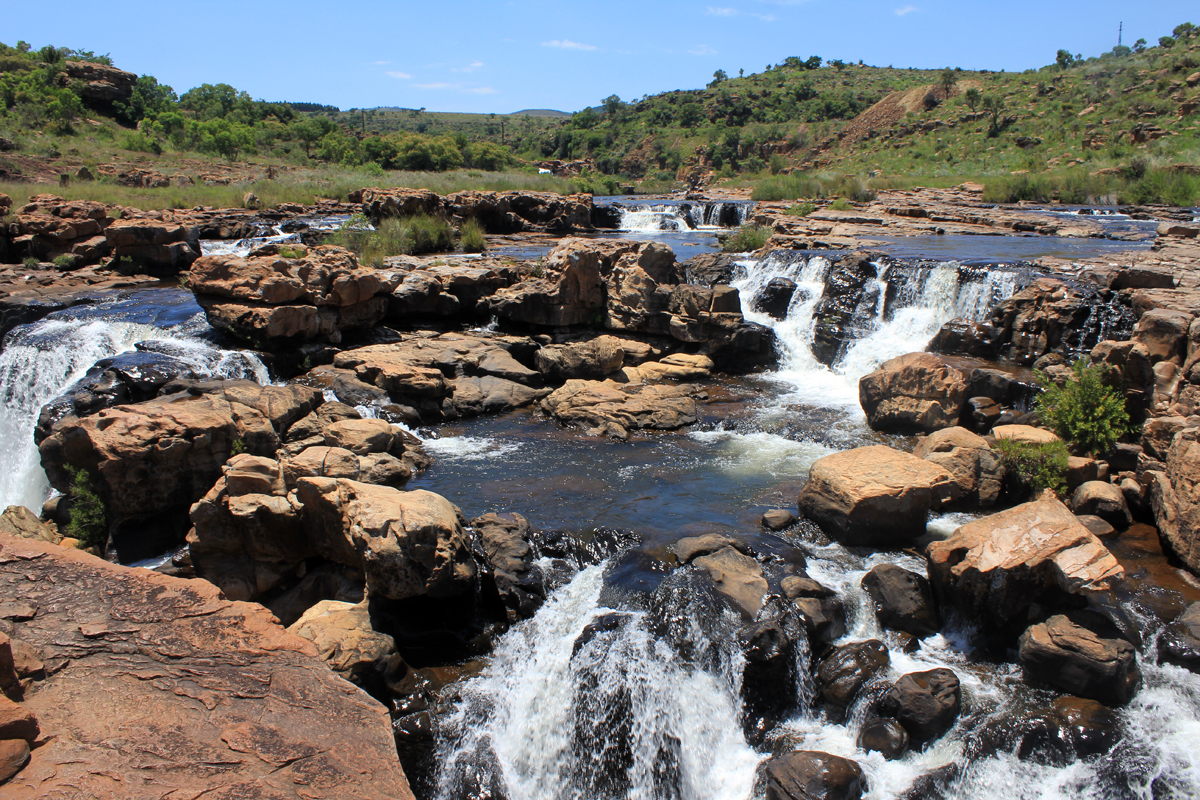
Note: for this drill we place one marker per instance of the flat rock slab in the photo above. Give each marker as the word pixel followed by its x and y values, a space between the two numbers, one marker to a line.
pixel 158 687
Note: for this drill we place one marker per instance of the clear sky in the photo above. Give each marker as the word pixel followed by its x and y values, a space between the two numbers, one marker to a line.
pixel 562 54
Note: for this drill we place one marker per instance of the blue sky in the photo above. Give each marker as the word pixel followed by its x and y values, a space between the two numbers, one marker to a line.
pixel 563 54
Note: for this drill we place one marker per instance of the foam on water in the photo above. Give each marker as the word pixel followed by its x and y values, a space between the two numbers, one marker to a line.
pixel 469 448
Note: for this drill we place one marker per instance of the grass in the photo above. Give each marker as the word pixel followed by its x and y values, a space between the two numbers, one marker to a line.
pixel 471 237
pixel 813 186
pixel 746 239
pixel 394 237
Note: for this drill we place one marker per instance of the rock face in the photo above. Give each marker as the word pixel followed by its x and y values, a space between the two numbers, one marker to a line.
pixel 903 600
pixel 811 775
pixel 1175 496
pixel 975 469
pixel 209 696
pixel 1081 653
pixel 915 392
pixel 1008 569
pixel 873 495
pixel 497 212
pixel 103 85
pixel 273 300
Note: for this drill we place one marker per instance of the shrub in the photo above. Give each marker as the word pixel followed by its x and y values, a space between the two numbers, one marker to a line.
pixel 746 239
pixel 140 143
pixel 393 237
pixel 88 523
pixel 237 448
pixel 471 236
pixel 1032 467
pixel 291 252
pixel 65 261
pixel 841 204
pixel 802 210
pixel 30 262
pixel 1084 411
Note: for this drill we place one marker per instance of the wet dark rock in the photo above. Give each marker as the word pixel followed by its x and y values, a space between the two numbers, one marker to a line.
pixel 843 304
pixel 1081 653
pixel 982 413
pixel 925 703
pixel 775 297
pixel 903 600
pixel 812 775
pixel 1180 642
pixel 1071 728
pixel 843 674
pixel 884 735
pixel 933 785
pixel 769 676
pixel 605 623
pixel 634 571
pixel 777 519
pixel 513 574
pixel 1097 526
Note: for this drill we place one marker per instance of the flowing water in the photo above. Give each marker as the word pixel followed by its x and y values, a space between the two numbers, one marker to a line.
pixel 41 360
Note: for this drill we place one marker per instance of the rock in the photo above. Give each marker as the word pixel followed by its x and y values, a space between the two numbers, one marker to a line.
pixel 1130 371
pixel 811 775
pixel 842 674
pixel 976 472
pixel 1172 496
pixel 885 736
pixel 614 409
pixel 823 617
pixel 1179 644
pixel 1164 332
pixel 1024 433
pixel 1101 499
pixel 346 642
pixel 19 521
pixel 1007 569
pixel 736 578
pixel 518 580
pixel 873 495
pixel 778 519
pixel 14 755
pixel 153 244
pixel 17 722
pixel 915 392
pixel 1069 729
pixel 925 703
pixel 692 547
pixel 592 359
pixel 1081 653
pixel 982 413
pixel 775 297
pixel 1096 525
pixel 272 300
pixel 236 705
pixel 903 600
pixel 1080 471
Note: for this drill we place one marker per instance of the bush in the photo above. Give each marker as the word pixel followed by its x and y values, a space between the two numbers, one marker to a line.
pixel 88 523
pixel 747 239
pixel 1084 411
pixel 841 204
pixel 65 261
pixel 140 143
pixel 1030 468
pixel 30 262
pixel 393 237
pixel 802 210
pixel 471 236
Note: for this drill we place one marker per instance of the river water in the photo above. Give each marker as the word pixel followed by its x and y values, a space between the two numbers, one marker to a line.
pixel 628 714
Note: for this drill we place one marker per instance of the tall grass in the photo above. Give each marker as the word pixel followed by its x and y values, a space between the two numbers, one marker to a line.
pixel 806 186
pixel 1079 187
pixel 394 237
pixel 746 239
pixel 471 237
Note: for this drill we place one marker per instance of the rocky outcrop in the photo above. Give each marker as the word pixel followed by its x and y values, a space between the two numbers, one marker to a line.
pixel 873 495
pixel 497 212
pixel 1083 654
pixel 209 696
pixel 507 545
pixel 156 243
pixel 1175 498
pixel 101 85
pixel 273 300
pixel 977 475
pixel 609 408
pixel 914 392
pixel 1008 569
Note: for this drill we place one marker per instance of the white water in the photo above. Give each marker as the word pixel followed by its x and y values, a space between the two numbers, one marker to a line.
pixel 41 360
pixel 660 217
pixel 267 234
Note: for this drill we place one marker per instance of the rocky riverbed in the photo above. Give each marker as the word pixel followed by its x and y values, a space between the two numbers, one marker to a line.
pixel 601 523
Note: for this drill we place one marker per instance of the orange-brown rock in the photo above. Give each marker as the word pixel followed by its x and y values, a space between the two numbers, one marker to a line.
pixel 914 392
pixel 159 687
pixel 608 408
pixel 1175 497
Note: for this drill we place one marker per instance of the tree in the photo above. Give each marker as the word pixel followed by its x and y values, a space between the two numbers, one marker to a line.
pixel 718 77
pixel 1064 59
pixel 993 104
pixel 838 64
pixel 612 104
pixel 947 81
pixel 1139 46
pixel 311 130
pixel 1166 42
pixel 1184 30
pixel 691 114
pixel 973 98
pixel 149 99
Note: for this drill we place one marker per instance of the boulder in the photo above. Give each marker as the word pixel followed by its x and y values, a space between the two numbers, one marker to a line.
pixel 510 555
pixel 925 703
pixel 1006 569
pixel 775 297
pixel 903 600
pixel 736 578
pixel 19 521
pixel 1083 654
pixel 17 721
pixel 914 392
pixel 208 696
pixel 346 642
pixel 843 673
pixel 811 775
pixel 1024 433
pixel 1164 332
pixel 1069 729
pixel 613 409
pixel 1174 496
pixel 1179 644
pixel 593 359
pixel 873 495
pixel 976 473
pixel 14 755
pixel 885 736
pixel 1101 499
pixel 778 519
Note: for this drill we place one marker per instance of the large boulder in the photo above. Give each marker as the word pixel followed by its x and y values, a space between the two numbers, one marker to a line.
pixel 903 600
pixel 1101 499
pixel 511 557
pixel 1164 332
pixel 811 775
pixel 1083 654
pixel 873 495
pixel 925 703
pixel 593 359
pixel 207 697
pixel 1007 569
pixel 976 471
pixel 1175 496
pixel 272 300
pixel 914 392
pixel 845 671
pixel 346 641
pixel 614 409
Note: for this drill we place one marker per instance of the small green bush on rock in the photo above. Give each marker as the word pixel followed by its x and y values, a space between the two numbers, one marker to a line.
pixel 1084 411
pixel 1030 468
pixel 88 516
pixel 748 238
pixel 472 238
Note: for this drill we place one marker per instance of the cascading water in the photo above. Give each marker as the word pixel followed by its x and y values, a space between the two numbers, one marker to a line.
pixel 41 360
pixel 676 216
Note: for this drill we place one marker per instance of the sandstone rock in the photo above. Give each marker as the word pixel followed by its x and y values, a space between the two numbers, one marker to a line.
pixel 737 578
pixel 917 391
pixel 1080 470
pixel 153 243
pixel 778 519
pixel 873 495
pixel 321 462
pixel 1024 433
pixel 811 775
pixel 903 600
pixel 885 736
pixel 976 471
pixel 1179 644
pixel 21 522
pixel 613 409
pixel 1101 499
pixel 844 672
pixel 378 204
pixel 488 394
pixel 1164 332
pixel 1130 371
pixel 506 542
pixel 592 359
pixel 691 547
pixel 1081 653
pixel 925 703
pixel 17 722
pixel 1174 498
pixel 1008 568
pixel 215 690
pixel 1096 525
pixel 677 366
pixel 101 85
pixel 345 640
pixel 14 755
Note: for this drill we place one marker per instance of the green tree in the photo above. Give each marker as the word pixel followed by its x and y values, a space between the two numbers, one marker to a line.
pixel 993 104
pixel 612 104
pixel 1084 411
pixel 973 98
pixel 718 77
pixel 947 80
pixel 149 99
pixel 1064 59
pixel 1139 46
pixel 690 115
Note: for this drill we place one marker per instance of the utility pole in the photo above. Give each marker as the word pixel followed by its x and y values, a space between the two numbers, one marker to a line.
pixel 1120 30
pixel 364 122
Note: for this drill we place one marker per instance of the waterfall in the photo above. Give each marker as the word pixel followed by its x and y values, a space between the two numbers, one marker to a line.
pixel 652 218
pixel 41 360
pixel 675 216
